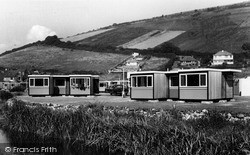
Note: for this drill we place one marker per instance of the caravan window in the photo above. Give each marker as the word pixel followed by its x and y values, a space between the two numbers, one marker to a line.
pixel 150 79
pixel 183 80
pixel 31 82
pixel 133 81
pixel 174 81
pixel 80 82
pixel 40 82
pixel 193 80
pixel 142 81
pixel 203 80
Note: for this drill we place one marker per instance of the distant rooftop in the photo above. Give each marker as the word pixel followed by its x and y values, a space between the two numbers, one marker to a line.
pixel 187 58
pixel 222 52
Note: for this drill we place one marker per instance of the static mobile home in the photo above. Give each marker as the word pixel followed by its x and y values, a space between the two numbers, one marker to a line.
pixel 53 85
pixel 187 84
pixel 148 85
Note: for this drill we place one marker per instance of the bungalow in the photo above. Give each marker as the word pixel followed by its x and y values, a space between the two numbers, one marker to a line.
pixel 44 85
pixel 186 84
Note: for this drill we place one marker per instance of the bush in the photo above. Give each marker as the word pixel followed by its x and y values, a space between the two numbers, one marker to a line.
pixel 18 89
pixel 5 95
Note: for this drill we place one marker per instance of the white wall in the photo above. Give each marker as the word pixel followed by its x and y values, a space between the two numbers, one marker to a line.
pixel 244 86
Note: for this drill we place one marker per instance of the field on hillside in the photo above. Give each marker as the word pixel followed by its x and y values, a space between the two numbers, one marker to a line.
pixel 115 37
pixel 206 30
pixel 155 40
pixel 64 60
pixel 84 35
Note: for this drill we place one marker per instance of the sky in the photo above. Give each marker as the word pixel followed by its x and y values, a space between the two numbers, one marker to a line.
pixel 27 21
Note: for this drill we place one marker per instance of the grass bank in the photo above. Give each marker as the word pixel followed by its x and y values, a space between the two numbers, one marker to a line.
pixel 133 131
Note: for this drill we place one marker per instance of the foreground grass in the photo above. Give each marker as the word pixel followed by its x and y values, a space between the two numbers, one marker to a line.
pixel 140 131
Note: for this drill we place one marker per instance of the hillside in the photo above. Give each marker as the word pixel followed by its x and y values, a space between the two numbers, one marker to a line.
pixel 186 33
pixel 48 58
pixel 63 60
pixel 206 30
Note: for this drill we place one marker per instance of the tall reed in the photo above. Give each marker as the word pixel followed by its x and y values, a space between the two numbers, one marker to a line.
pixel 131 131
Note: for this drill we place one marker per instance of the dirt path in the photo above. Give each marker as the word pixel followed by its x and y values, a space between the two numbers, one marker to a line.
pixel 241 104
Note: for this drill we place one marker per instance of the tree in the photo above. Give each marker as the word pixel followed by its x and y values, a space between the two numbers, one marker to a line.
pixel 246 46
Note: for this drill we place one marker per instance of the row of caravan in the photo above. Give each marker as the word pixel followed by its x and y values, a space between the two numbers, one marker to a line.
pixel 186 84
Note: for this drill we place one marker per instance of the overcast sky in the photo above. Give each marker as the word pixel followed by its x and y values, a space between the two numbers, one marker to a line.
pixel 25 21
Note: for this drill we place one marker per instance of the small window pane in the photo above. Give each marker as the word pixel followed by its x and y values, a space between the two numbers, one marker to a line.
pixel 46 82
pixel 203 80
pixel 193 80
pixel 149 81
pixel 142 81
pixel 38 82
pixel 102 85
pixel 183 80
pixel 87 82
pixel 133 81
pixel 73 81
pixel 31 82
pixel 174 81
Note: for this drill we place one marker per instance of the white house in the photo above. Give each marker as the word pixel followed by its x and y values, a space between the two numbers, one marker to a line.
pixel 244 86
pixel 223 57
pixel 132 62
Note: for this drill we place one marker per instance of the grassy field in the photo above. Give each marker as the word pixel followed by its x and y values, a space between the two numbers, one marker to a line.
pixel 156 39
pixel 115 37
pixel 205 30
pixel 85 35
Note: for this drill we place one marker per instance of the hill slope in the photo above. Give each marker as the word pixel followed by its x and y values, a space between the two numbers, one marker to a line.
pixel 66 60
pixel 207 30
pixel 63 60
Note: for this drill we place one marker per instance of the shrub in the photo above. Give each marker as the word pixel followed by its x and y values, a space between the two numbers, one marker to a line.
pixel 5 95
pixel 18 89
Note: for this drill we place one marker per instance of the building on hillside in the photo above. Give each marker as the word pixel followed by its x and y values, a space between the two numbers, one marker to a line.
pixel 8 85
pixel 9 80
pixel 132 62
pixel 223 57
pixel 189 61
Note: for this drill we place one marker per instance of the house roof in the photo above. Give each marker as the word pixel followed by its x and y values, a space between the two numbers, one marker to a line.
pixel 209 69
pixel 187 58
pixel 186 70
pixel 222 53
pixel 62 76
